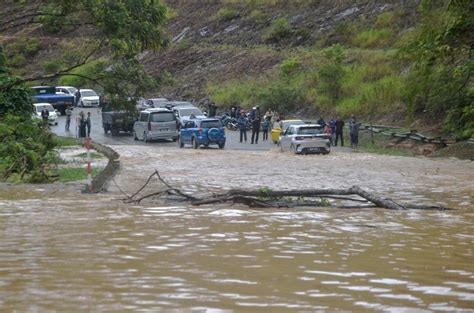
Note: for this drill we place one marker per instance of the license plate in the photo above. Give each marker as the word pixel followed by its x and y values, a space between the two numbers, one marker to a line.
pixel 163 129
pixel 314 149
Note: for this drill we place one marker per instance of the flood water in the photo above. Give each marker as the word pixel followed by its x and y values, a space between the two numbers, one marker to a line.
pixel 63 251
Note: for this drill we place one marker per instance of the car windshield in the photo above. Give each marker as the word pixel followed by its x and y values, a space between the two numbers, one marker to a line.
pixel 312 130
pixel 72 89
pixel 162 117
pixel 211 124
pixel 189 111
pixel 40 108
pixel 288 124
pixel 88 93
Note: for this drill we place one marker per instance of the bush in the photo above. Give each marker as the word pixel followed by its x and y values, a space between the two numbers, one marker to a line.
pixel 278 30
pixel 32 47
pixel 26 150
pixel 374 38
pixel 290 67
pixel 227 14
pixel 16 61
pixel 259 16
pixel 52 66
pixel 88 70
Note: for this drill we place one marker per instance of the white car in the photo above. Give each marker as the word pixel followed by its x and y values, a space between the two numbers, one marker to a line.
pixel 155 103
pixel 89 98
pixel 185 113
pixel 53 116
pixel 304 139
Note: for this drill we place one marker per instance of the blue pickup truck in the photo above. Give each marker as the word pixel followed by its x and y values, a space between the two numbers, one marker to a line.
pixel 48 94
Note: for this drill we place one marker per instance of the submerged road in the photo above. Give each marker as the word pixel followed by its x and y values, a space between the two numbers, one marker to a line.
pixel 97 134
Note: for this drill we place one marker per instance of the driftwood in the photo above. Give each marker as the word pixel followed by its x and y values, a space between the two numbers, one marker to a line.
pixel 266 198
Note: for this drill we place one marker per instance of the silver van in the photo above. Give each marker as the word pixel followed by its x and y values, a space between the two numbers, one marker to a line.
pixel 154 124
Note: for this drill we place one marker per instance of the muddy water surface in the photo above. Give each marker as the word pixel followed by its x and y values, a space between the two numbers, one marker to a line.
pixel 63 251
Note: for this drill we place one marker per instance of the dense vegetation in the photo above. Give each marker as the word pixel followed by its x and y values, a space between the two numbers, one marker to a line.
pixel 372 70
pixel 120 32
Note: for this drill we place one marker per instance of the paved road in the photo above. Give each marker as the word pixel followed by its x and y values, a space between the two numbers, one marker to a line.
pixel 97 134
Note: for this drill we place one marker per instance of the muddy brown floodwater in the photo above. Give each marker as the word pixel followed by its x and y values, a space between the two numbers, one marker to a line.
pixel 64 251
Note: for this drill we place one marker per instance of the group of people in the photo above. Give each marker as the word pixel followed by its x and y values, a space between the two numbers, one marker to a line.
pixel 257 120
pixel 335 127
pixel 83 123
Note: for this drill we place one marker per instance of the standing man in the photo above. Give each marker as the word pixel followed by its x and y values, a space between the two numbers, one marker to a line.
pixel 68 118
pixel 242 124
pixel 339 126
pixel 77 97
pixel 354 131
pixel 256 119
pixel 81 124
pixel 88 124
pixel 265 127
pixel 45 115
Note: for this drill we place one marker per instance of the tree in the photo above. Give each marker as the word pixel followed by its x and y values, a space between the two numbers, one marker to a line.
pixel 121 29
pixel 440 81
pixel 118 29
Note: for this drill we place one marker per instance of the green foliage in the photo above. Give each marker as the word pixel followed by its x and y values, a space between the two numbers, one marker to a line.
pixel 69 174
pixel 440 82
pixel 278 30
pixel 226 14
pixel 52 66
pixel 290 67
pixel 26 149
pixel 16 99
pixel 19 51
pixel 80 76
pixel 60 141
pixel 259 16
pixel 374 38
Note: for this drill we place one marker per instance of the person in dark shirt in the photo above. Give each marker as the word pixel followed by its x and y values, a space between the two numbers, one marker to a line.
pixel 339 128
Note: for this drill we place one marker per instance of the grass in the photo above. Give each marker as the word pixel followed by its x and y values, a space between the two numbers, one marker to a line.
pixel 73 174
pixel 94 155
pixel 65 141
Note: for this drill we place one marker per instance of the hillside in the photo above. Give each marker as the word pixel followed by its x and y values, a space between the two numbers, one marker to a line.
pixel 299 57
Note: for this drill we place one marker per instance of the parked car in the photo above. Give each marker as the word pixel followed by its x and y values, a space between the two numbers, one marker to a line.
pixel 205 132
pixel 68 90
pixel 88 98
pixel 303 139
pixel 53 116
pixel 117 120
pixel 281 127
pixel 185 113
pixel 155 102
pixel 47 94
pixel 154 124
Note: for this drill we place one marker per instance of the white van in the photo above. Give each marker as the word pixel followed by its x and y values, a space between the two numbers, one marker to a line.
pixel 155 124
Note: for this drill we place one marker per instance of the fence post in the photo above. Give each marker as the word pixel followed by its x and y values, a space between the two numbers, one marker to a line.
pixel 89 168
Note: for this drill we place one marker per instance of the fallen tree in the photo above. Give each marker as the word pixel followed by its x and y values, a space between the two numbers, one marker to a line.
pixel 267 198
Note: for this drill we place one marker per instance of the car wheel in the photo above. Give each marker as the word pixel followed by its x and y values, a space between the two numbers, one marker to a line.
pixel 194 143
pixel 180 142
pixel 221 145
